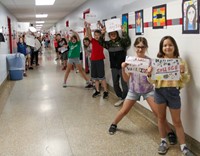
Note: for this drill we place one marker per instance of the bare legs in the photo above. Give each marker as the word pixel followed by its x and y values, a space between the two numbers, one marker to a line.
pixel 175 114
pixel 69 68
pixel 128 104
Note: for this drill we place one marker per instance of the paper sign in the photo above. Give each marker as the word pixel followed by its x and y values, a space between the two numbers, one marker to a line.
pixel 137 65
pixel 23 26
pixel 166 69
pixel 30 40
pixel 113 25
pixel 37 45
pixel 63 49
pixel 91 18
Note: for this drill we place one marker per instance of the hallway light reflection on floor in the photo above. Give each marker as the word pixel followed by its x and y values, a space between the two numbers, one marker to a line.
pixel 45 87
pixel 45 107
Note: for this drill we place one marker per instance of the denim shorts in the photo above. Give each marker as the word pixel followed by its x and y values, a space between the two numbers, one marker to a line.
pixel 74 61
pixel 169 96
pixel 136 96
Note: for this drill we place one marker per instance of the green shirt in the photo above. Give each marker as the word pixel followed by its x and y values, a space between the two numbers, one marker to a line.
pixel 74 49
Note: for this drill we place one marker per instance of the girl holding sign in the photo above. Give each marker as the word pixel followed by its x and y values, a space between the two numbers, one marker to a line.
pixel 167 95
pixel 139 86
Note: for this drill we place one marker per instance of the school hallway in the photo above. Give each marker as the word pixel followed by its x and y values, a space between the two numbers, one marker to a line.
pixel 41 118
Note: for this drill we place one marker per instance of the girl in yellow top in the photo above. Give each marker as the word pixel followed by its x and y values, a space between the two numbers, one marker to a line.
pixel 167 95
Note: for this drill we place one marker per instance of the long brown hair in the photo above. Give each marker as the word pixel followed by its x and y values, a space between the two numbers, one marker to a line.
pixel 161 54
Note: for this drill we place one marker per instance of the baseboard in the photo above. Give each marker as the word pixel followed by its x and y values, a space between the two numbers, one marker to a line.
pixel 192 144
pixel 5 90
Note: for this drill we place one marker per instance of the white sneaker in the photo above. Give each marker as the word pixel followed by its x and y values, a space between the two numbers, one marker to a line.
pixel 118 103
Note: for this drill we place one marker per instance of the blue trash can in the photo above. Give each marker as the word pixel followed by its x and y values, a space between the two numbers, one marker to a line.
pixel 16 74
pixel 16 65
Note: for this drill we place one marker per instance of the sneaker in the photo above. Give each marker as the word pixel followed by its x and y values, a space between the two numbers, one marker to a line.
pixel 163 147
pixel 172 138
pixel 89 86
pixel 105 95
pixel 119 103
pixel 112 129
pixel 187 152
pixel 64 85
pixel 96 93
pixel 25 75
pixel 31 68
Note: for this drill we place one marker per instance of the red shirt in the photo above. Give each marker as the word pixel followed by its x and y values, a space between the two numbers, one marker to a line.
pixel 97 51
pixel 55 43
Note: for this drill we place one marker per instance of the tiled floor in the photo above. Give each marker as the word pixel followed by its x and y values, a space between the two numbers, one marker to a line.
pixel 40 118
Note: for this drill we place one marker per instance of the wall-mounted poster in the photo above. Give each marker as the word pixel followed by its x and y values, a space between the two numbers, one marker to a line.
pixel 113 17
pixel 125 21
pixel 139 23
pixel 159 19
pixel 190 15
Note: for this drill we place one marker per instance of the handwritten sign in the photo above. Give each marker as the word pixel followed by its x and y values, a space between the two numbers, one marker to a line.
pixel 137 65
pixel 30 40
pixel 165 69
pixel 113 25
pixel 91 18
pixel 23 26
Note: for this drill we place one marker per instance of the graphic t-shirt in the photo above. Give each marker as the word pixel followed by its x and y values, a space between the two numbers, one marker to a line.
pixel 74 49
pixel 61 44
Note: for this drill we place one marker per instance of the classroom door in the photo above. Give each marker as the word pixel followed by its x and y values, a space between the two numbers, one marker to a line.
pixel 10 35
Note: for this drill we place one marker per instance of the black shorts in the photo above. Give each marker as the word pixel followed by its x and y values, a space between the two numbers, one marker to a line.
pixel 64 55
pixel 56 49
pixel 97 70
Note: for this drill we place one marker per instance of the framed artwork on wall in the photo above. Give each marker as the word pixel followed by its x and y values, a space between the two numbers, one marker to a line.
pixel 159 16
pixel 113 17
pixel 139 22
pixel 125 21
pixel 190 16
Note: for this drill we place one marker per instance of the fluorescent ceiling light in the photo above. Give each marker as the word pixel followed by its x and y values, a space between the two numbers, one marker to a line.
pixel 39 25
pixel 41 15
pixel 39 22
pixel 44 2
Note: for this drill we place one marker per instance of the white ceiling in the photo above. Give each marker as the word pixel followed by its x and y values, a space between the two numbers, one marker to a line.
pixel 25 10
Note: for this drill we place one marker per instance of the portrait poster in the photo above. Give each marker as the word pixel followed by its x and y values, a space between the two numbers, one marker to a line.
pixel 125 21
pixel 190 16
pixel 159 17
pixel 165 69
pixel 139 22
pixel 137 65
